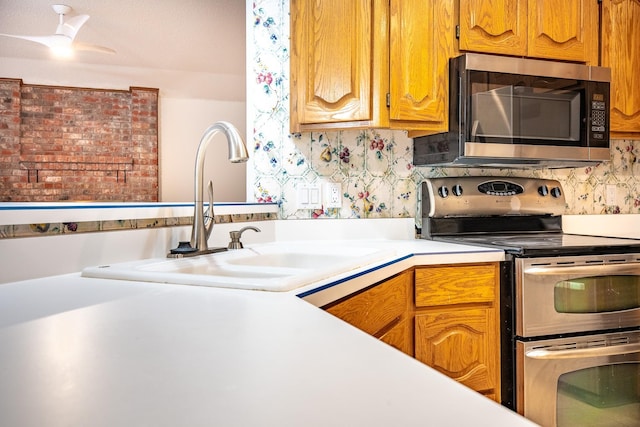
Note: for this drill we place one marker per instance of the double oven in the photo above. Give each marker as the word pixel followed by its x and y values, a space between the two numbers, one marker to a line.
pixel 570 304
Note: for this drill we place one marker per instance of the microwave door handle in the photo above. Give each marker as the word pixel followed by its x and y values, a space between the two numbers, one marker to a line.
pixel 632 268
pixel 578 353
pixel 474 130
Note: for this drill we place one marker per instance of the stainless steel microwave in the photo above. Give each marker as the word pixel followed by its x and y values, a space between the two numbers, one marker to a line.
pixel 516 112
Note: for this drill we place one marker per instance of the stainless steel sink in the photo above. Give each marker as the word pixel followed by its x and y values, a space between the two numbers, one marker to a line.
pixel 267 267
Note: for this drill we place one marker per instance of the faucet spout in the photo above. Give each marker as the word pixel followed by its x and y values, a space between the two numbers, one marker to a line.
pixel 237 154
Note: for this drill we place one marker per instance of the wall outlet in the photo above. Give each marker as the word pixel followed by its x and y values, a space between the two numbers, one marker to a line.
pixel 333 195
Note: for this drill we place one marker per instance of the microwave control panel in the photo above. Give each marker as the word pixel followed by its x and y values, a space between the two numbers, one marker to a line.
pixel 598 117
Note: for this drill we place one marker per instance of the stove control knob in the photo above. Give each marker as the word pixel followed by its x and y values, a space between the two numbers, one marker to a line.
pixel 556 192
pixel 457 190
pixel 443 192
pixel 543 190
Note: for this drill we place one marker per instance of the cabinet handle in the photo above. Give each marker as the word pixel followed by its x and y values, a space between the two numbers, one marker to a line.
pixel 598 269
pixel 584 352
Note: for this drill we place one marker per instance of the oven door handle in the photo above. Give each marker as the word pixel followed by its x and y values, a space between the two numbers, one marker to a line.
pixel 584 352
pixel 632 268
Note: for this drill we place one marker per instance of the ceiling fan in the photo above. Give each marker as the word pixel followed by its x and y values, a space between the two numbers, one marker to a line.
pixel 62 42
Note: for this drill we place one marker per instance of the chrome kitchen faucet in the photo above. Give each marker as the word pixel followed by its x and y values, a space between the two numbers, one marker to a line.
pixel 200 232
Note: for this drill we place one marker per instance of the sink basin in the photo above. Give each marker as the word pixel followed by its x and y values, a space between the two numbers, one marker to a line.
pixel 267 267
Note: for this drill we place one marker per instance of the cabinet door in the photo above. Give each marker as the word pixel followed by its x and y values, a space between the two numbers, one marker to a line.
pixel 566 30
pixel 621 52
pixel 551 29
pixel 420 45
pixel 331 57
pixel 400 336
pixel 381 311
pixel 462 344
pixel 494 26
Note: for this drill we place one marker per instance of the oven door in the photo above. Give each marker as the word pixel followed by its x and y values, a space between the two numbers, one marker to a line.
pixel 557 295
pixel 584 381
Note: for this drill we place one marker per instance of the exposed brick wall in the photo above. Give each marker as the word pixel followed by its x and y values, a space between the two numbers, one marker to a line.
pixel 64 143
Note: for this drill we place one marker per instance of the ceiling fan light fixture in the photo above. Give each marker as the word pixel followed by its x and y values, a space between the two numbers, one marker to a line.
pixel 60 46
pixel 62 52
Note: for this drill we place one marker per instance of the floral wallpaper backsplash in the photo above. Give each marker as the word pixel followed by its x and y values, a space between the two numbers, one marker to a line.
pixel 374 167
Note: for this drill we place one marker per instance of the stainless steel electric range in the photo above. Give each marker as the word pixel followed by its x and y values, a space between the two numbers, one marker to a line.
pixel 570 304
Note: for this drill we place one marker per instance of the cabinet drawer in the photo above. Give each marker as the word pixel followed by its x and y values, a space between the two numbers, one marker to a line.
pixel 377 307
pixel 455 284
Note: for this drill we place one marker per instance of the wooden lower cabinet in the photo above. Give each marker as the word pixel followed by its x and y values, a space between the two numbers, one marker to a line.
pixel 381 310
pixel 446 316
pixel 459 343
pixel 457 323
pixel 400 336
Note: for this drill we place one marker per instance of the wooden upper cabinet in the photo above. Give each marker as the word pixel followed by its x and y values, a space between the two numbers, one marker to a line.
pixel 566 30
pixel 331 56
pixel 621 52
pixel 494 26
pixel 371 63
pixel 384 63
pixel 550 29
pixel 419 53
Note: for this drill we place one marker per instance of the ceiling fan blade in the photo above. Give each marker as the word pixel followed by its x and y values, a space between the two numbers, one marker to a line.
pixel 49 41
pixel 72 25
pixel 92 48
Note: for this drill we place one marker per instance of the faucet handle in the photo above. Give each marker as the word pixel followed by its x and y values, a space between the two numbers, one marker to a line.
pixel 209 214
pixel 235 242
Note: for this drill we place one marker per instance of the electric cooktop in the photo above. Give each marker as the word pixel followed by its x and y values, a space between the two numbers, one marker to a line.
pixel 543 244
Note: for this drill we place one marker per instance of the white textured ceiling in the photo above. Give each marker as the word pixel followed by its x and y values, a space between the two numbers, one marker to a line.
pixel 187 35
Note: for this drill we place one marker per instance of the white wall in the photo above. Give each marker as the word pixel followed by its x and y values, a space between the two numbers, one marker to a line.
pixel 188 104
pixel 183 124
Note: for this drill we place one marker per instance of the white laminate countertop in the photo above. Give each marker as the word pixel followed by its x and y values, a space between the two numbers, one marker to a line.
pixel 76 351
pixel 621 225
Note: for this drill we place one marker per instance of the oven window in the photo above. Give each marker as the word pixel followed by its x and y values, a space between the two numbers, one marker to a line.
pixel 598 294
pixel 600 396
